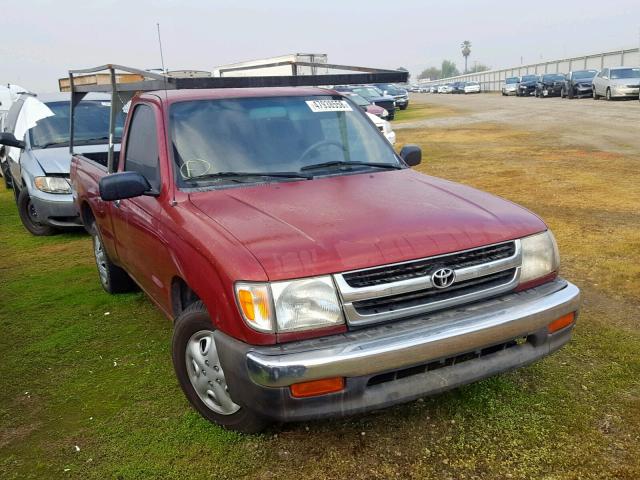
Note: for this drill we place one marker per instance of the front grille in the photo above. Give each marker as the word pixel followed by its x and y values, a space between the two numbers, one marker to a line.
pixel 387 105
pixel 422 297
pixel 421 268
pixel 445 362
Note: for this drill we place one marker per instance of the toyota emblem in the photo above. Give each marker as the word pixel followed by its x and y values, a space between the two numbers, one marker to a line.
pixel 443 277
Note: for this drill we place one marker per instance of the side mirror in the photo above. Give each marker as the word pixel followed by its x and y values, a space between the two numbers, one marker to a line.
pixel 119 186
pixel 411 154
pixel 9 139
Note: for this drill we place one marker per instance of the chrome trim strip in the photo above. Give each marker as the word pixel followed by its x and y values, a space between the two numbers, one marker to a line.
pixel 402 344
pixel 352 294
pixel 356 319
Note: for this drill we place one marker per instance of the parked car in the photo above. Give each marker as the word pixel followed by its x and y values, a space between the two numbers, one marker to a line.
pixel 550 85
pixel 433 88
pixel 578 84
pixel 618 82
pixel 510 86
pixel 37 134
pixel 447 88
pixel 314 274
pixel 472 87
pixel 400 94
pixel 373 95
pixel 458 87
pixel 384 127
pixel 9 94
pixel 366 105
pixel 527 85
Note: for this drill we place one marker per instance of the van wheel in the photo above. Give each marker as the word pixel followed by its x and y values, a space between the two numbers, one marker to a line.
pixel 197 366
pixel 112 278
pixel 29 216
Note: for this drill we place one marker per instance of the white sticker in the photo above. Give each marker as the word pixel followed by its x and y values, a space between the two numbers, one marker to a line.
pixel 329 106
pixel 105 104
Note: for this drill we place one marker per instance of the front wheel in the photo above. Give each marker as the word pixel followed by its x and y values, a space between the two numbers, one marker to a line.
pixel 199 371
pixel 595 95
pixel 29 216
pixel 608 95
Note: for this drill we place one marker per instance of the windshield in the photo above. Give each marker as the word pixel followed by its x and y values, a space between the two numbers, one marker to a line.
pixel 512 80
pixel 619 73
pixel 553 77
pixel 91 125
pixel 584 74
pixel 367 92
pixel 529 78
pixel 358 100
pixel 271 135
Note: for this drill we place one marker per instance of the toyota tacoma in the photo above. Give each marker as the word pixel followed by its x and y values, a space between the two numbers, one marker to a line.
pixel 308 270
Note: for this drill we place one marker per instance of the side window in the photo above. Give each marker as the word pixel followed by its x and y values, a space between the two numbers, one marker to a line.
pixel 142 146
pixel 605 73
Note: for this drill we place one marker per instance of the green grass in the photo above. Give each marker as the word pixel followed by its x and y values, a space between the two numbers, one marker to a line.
pixel 72 375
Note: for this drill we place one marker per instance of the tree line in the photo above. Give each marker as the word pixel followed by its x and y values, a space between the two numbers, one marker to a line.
pixel 449 69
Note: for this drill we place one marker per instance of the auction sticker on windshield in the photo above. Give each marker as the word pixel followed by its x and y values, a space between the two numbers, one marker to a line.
pixel 329 106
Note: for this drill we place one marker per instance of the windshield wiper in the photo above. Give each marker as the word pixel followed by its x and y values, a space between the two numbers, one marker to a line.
pixel 251 174
pixel 341 163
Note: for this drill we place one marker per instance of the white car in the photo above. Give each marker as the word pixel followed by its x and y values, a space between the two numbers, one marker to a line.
pixel 472 87
pixel 384 127
pixel 445 89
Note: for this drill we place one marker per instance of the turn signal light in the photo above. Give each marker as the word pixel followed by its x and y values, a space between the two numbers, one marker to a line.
pixel 561 322
pixel 317 387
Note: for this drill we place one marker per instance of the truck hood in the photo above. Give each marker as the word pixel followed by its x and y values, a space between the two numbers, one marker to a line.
pixel 333 224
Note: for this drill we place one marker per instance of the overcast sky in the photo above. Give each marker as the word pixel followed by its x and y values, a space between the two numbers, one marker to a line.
pixel 42 39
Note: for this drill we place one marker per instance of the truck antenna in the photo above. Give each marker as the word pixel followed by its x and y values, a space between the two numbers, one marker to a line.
pixel 164 74
pixel 160 45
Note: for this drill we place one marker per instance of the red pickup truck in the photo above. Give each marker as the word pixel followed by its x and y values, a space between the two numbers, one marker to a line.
pixel 308 270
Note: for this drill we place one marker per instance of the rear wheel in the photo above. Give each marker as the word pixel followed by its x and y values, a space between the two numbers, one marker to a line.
pixel 112 278
pixel 29 215
pixel 199 371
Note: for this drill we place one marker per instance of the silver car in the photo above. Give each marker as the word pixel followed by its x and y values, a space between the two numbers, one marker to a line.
pixel 39 159
pixel 617 82
pixel 510 86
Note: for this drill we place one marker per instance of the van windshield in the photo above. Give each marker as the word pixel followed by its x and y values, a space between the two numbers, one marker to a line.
pixel 243 139
pixel 91 125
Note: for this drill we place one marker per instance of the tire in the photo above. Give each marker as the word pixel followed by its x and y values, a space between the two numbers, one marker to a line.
pixel 570 93
pixel 608 95
pixel 29 216
pixel 404 107
pixel 595 95
pixel 193 352
pixel 112 278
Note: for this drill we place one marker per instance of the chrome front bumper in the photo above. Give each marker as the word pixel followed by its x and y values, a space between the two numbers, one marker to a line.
pixel 410 342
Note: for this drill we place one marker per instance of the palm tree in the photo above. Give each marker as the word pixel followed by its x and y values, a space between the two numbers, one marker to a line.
pixel 466 51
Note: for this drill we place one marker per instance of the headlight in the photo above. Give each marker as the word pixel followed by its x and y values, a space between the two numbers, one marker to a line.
pixel 290 306
pixel 385 113
pixel 52 184
pixel 540 256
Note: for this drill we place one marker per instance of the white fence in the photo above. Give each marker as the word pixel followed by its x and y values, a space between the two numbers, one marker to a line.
pixel 492 80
